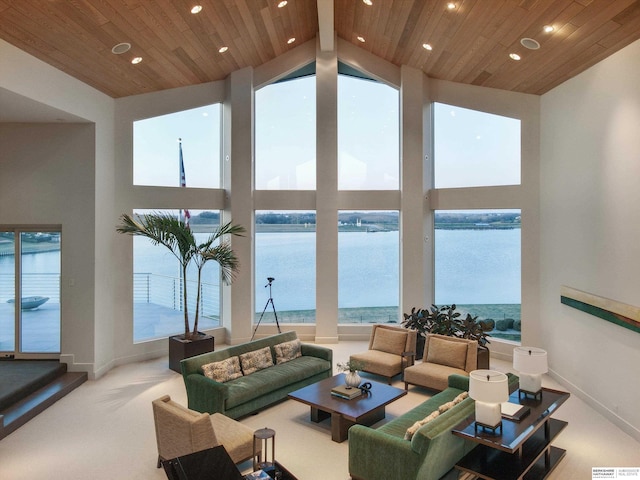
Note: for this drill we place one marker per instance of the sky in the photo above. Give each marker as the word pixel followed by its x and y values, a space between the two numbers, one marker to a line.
pixel 471 148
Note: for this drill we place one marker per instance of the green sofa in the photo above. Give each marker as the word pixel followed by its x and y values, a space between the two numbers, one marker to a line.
pixel 383 453
pixel 249 393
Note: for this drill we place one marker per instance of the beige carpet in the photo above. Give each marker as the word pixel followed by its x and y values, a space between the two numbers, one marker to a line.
pixel 104 430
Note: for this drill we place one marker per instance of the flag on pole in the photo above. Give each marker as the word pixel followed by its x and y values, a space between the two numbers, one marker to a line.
pixel 183 183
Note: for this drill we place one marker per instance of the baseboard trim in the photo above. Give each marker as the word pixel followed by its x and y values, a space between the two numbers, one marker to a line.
pixel 597 406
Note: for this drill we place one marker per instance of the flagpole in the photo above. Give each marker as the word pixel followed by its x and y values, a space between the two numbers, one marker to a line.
pixel 182 183
pixel 181 178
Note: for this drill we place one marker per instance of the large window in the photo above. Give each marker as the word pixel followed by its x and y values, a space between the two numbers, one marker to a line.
pixel 156 157
pixel 157 283
pixel 368 267
pixel 477 266
pixel 368 135
pixel 285 250
pixel 30 303
pixel 285 135
pixel 475 149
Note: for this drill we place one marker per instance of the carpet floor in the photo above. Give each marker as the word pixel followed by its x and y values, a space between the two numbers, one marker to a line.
pixel 104 430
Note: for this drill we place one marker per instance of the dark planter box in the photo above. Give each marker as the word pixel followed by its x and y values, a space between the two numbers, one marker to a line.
pixel 179 349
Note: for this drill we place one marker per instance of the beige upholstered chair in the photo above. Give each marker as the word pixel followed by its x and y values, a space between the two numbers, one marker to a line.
pixel 180 431
pixel 391 349
pixel 443 356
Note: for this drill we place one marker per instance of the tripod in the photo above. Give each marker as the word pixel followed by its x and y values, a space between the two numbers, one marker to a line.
pixel 270 301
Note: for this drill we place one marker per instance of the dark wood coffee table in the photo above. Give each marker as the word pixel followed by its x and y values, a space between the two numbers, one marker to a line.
pixel 366 409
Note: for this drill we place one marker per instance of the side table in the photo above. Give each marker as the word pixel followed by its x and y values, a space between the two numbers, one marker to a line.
pixel 523 448
pixel 261 438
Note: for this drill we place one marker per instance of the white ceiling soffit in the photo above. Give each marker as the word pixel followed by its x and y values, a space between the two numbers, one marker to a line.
pixel 15 108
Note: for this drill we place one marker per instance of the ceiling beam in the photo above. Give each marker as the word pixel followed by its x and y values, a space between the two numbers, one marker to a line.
pixel 325 25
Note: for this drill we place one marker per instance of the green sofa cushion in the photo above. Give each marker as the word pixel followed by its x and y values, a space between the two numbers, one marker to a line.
pixel 249 387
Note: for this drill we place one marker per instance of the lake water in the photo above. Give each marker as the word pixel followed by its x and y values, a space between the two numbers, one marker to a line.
pixel 472 267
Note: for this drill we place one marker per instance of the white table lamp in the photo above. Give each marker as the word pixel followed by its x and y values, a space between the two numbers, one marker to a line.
pixel 531 363
pixel 489 389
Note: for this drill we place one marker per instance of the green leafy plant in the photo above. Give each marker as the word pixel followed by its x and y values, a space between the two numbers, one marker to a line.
pixel 446 320
pixel 174 234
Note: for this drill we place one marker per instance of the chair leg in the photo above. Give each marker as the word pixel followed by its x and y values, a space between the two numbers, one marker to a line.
pixel 406 386
pixel 159 464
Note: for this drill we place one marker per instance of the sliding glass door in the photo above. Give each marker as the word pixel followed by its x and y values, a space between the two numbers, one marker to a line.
pixel 29 292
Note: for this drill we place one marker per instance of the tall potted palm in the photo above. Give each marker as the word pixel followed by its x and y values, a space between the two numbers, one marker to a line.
pixel 175 234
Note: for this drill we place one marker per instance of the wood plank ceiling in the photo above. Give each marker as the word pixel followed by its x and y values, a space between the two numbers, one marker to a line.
pixel 470 43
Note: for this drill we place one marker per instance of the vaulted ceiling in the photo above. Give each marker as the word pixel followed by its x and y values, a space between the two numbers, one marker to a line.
pixel 470 43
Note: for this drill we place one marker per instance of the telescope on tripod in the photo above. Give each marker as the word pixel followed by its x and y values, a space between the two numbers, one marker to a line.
pixel 270 301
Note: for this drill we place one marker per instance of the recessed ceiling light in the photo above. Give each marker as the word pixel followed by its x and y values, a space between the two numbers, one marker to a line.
pixel 223 49
pixel 196 9
pixel 283 3
pixel 367 2
pixel 136 60
pixel 426 46
pixel 530 43
pixel 291 40
pixel 548 28
pixel 121 48
pixel 451 5
pixel 360 39
pixel 514 56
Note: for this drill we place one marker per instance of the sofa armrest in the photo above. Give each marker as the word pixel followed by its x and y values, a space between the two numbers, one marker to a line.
pixel 312 350
pixel 204 394
pixel 374 455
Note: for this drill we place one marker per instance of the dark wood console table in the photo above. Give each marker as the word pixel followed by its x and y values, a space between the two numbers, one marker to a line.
pixel 523 450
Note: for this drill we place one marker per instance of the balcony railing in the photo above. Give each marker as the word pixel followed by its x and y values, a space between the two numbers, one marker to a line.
pixel 166 291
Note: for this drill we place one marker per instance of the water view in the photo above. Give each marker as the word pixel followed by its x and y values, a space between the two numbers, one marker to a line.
pixel 477 268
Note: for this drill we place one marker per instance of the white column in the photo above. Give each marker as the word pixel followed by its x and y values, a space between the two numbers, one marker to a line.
pixel 237 158
pixel 326 197
pixel 416 225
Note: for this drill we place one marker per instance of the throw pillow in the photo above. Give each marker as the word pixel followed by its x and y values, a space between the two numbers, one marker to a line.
pixel 389 341
pixel 416 426
pixel 446 352
pixel 446 406
pixel 287 351
pixel 256 360
pixel 224 370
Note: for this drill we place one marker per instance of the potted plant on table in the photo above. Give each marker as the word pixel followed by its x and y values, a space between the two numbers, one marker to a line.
pixel 175 234
pixel 351 367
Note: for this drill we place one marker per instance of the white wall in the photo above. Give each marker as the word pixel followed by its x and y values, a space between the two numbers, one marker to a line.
pixel 63 174
pixel 590 226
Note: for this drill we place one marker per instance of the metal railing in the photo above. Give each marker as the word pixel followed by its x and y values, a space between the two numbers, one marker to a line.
pixel 166 291
pixel 33 284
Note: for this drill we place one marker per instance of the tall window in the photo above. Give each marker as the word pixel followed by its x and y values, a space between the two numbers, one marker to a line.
pixel 155 149
pixel 368 135
pixel 477 266
pixel 368 267
pixel 475 149
pixel 34 295
pixel 285 251
pixel 157 284
pixel 285 135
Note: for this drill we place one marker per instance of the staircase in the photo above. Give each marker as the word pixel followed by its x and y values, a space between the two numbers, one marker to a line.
pixel 28 387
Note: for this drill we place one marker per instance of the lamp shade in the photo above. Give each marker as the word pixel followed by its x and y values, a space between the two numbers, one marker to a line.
pixel 488 386
pixel 531 360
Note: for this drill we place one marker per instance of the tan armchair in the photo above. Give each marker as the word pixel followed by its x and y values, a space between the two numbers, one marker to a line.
pixel 391 350
pixel 443 356
pixel 180 431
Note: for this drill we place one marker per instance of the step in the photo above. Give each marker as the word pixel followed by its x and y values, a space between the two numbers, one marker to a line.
pixel 21 412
